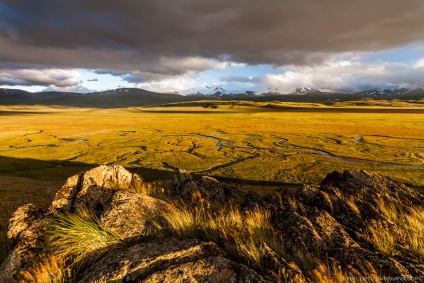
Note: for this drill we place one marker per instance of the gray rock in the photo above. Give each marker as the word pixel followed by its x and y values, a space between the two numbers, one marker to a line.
pixel 207 191
pixel 130 214
pixel 114 177
pixel 25 240
pixel 21 219
pixel 170 260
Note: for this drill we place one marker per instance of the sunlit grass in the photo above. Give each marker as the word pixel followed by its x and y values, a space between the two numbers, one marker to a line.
pixel 246 236
pixel 243 234
pixel 80 237
pixel 48 269
pixel 409 232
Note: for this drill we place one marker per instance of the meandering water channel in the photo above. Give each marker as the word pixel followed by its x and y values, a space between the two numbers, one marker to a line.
pixel 222 143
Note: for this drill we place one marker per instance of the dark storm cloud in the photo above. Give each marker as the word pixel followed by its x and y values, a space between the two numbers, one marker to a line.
pixel 157 39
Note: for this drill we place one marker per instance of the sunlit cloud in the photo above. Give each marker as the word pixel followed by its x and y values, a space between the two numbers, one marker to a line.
pixel 348 76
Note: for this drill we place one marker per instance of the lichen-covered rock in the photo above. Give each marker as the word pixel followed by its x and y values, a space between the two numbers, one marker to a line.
pixel 207 191
pixel 77 187
pixel 63 200
pixel 92 199
pixel 21 219
pixel 368 186
pixel 103 191
pixel 131 214
pixel 25 239
pixel 170 260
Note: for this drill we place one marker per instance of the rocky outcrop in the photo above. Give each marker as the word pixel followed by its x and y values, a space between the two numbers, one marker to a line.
pixel 206 191
pixel 316 225
pixel 103 191
pixel 329 223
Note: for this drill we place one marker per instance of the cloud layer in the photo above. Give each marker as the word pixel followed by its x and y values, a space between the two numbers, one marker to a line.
pixel 150 36
pixel 164 43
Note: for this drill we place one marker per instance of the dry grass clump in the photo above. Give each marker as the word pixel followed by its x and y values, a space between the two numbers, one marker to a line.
pixel 48 269
pixel 152 189
pixel 333 273
pixel 242 234
pixel 383 239
pixel 327 274
pixel 414 233
pixel 409 233
pixel 81 237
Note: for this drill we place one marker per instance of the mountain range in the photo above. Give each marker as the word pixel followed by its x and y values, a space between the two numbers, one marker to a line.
pixel 125 97
pixel 392 92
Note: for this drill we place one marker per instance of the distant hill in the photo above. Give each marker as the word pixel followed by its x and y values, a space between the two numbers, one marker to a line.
pixel 126 97
pixel 116 98
pixel 17 94
pixel 13 94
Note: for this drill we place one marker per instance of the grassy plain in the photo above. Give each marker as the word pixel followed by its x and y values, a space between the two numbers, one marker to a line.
pixel 267 144
pixel 280 142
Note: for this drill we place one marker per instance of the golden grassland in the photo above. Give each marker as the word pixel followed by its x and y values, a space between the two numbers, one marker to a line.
pixel 240 140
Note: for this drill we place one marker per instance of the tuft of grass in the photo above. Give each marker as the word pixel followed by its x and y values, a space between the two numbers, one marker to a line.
pixel 353 207
pixel 383 240
pixel 327 273
pixel 242 234
pixel 81 237
pixel 412 231
pixel 409 233
pixel 48 269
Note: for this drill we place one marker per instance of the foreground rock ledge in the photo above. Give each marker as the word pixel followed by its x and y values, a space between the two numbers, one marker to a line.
pixel 326 223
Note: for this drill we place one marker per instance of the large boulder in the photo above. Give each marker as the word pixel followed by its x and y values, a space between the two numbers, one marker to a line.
pixel 81 187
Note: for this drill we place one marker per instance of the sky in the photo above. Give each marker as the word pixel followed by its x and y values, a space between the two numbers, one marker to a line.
pixel 190 46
